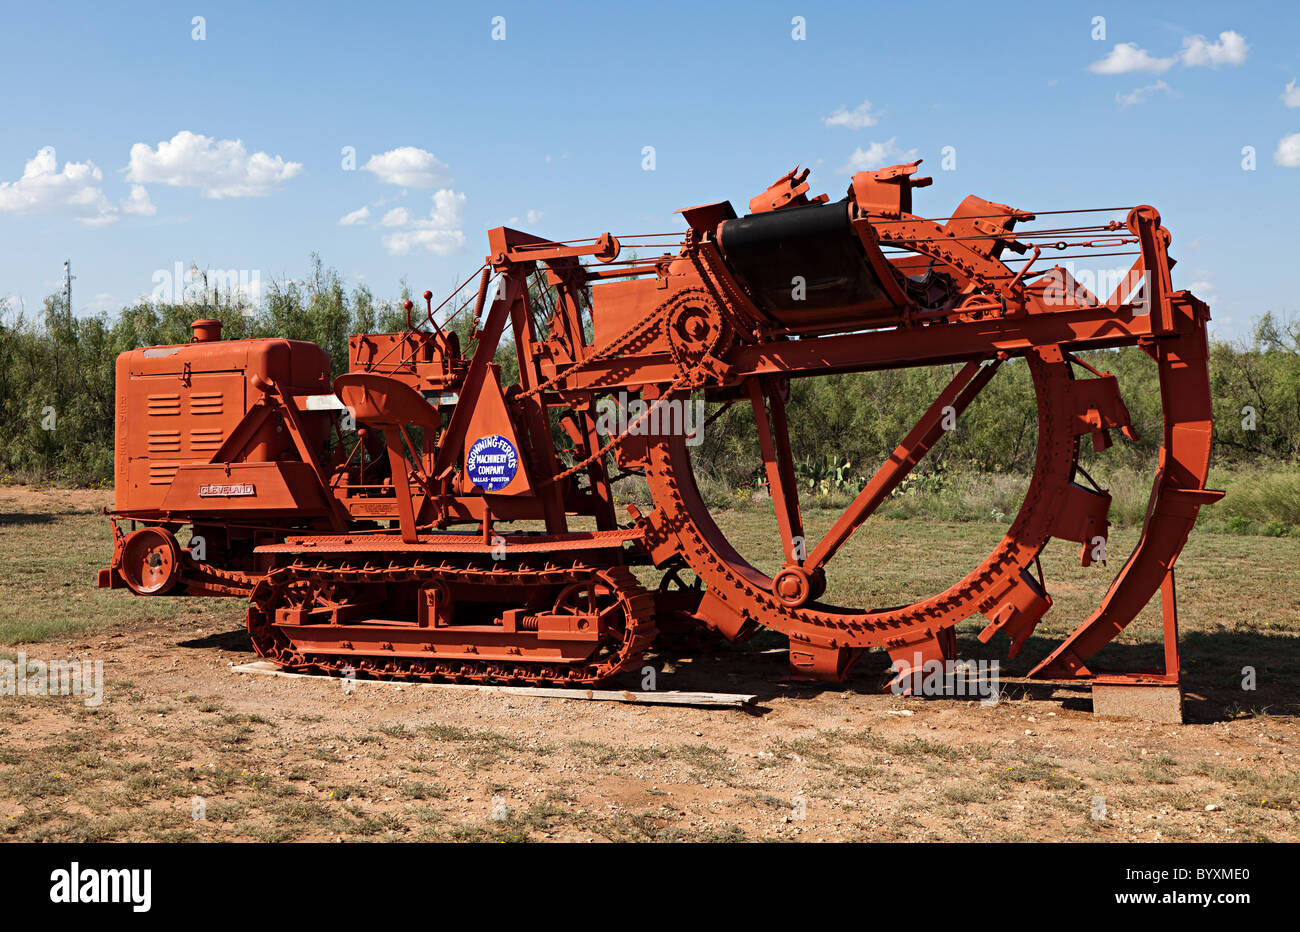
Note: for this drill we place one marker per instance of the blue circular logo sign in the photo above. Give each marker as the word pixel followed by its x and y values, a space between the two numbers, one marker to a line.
pixel 491 463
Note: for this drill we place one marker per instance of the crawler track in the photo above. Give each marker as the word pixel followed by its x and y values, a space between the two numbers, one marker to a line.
pixel 300 586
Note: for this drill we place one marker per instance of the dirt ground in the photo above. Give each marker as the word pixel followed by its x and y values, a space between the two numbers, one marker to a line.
pixel 181 747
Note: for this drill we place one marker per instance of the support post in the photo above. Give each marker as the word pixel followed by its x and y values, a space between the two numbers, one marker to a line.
pixel 1156 697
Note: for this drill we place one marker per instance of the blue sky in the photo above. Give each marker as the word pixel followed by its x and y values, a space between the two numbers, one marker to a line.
pixel 227 152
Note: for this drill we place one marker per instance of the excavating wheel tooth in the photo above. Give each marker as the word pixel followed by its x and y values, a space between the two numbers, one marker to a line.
pixel 1017 613
pixel 909 660
pixel 810 662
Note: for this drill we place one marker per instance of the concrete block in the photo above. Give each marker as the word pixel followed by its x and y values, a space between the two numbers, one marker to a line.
pixel 1149 701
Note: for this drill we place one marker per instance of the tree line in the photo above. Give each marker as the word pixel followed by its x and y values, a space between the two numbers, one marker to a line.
pixel 57 392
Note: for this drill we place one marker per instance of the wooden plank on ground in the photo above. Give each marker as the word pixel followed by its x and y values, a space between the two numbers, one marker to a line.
pixel 665 697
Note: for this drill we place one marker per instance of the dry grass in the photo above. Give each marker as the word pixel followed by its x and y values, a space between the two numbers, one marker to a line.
pixel 276 760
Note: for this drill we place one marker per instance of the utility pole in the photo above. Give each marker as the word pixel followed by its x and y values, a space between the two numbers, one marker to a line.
pixel 67 287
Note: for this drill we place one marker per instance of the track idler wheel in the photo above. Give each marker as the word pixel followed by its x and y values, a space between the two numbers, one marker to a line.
pixel 151 561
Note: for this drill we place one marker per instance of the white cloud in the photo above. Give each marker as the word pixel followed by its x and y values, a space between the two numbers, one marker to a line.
pixel 1288 151
pixel 1126 57
pixel 1231 49
pixel 357 216
pixel 447 205
pixel 409 167
pixel 138 203
pixel 74 189
pixel 1202 285
pixel 220 167
pixel 439 242
pixel 101 302
pixel 1140 94
pixel 1291 96
pixel 876 155
pixel 1197 51
pixel 438 233
pixel 531 217
pixel 43 187
pixel 857 118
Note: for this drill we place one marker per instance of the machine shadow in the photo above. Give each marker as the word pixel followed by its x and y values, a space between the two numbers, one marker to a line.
pixel 16 518
pixel 1225 675
pixel 236 640
pixel 1217 670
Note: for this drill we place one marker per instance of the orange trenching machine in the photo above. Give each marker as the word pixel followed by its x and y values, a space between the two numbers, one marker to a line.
pixel 413 519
